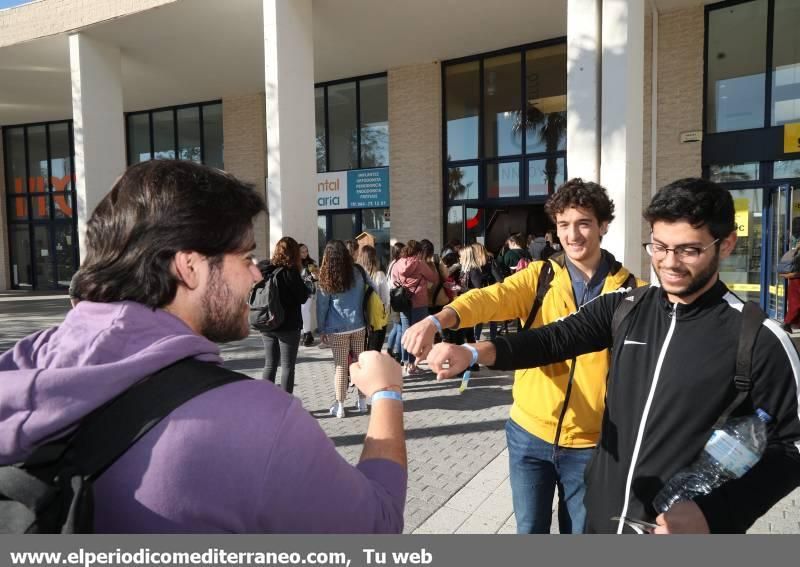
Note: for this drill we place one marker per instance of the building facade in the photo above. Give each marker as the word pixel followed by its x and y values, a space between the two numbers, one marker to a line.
pixel 405 120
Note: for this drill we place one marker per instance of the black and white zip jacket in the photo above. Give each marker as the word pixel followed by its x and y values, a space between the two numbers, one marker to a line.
pixel 671 377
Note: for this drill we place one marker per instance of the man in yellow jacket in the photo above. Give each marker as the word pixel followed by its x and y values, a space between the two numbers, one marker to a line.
pixel 556 416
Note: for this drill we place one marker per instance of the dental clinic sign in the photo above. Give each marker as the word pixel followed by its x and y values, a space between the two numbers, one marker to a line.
pixel 355 189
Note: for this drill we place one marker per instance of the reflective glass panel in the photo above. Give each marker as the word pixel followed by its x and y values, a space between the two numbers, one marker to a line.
pixel 377 223
pixel 138 138
pixel 462 107
pixel 163 135
pixel 213 142
pixel 322 235
pixel 189 134
pixel 786 63
pixel 374 123
pixel 18 208
pixel 21 272
pixel 65 256
pixel 319 114
pixel 15 166
pixel 786 169
pixel 63 205
pixel 741 271
pixel 462 182
pixel 40 206
pixel 730 172
pixel 473 223
pixel 737 44
pixel 502 134
pixel 502 180
pixel 545 175
pixel 546 105
pixel 43 254
pixel 37 159
pixel 343 126
pixel 454 231
pixel 60 162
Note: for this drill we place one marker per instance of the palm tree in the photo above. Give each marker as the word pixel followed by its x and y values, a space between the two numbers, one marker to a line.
pixel 551 128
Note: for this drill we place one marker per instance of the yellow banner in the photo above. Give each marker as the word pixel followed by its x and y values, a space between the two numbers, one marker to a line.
pixel 791 138
pixel 742 216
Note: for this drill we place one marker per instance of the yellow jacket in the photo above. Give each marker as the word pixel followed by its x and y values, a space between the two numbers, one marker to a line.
pixel 540 393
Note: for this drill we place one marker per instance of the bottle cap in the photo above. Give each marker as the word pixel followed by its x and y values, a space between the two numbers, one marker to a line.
pixel 763 416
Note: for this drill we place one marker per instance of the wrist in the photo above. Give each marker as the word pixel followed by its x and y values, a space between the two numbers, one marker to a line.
pixel 473 352
pixel 436 322
pixel 389 389
pixel 387 395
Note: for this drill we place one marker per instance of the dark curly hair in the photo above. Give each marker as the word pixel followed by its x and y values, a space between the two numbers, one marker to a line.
pixel 336 272
pixel 696 201
pixel 154 210
pixel 286 253
pixel 584 194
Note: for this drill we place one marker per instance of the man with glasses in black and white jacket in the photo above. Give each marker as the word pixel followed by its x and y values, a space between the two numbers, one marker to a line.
pixel 671 376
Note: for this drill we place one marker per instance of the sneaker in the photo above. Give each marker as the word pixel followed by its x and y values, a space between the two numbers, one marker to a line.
pixel 337 409
pixel 362 405
pixel 340 412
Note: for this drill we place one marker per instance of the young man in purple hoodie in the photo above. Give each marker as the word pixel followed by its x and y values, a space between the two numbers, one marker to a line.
pixel 168 271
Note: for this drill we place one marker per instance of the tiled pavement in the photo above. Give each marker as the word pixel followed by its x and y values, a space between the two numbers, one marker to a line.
pixel 458 473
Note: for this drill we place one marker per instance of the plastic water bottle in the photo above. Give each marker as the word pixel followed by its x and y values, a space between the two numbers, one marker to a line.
pixel 731 451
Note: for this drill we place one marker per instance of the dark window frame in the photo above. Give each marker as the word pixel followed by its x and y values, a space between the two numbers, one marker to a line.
pixel 31 222
pixel 483 201
pixel 149 113
pixel 357 81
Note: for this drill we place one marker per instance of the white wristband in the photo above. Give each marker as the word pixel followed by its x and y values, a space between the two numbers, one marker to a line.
pixel 474 352
pixel 387 394
pixel 435 322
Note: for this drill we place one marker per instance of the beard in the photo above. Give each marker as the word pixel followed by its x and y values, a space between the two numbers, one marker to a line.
pixel 225 317
pixel 696 282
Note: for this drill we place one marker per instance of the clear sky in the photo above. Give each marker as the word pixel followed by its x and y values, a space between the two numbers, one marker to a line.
pixel 10 3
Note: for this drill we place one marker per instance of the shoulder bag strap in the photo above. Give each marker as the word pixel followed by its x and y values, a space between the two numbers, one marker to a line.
pixel 542 287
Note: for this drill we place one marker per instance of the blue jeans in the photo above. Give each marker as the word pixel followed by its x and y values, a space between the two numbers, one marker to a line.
pixel 536 469
pixel 407 319
pixel 393 342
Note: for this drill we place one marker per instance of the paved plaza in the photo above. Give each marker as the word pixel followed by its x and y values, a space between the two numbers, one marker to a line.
pixel 458 472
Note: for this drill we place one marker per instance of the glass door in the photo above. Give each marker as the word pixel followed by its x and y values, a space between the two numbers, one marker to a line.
pixel 778 242
pixel 741 271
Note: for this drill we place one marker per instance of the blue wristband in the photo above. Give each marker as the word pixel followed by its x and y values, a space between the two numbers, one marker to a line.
pixel 387 394
pixel 474 352
pixel 436 322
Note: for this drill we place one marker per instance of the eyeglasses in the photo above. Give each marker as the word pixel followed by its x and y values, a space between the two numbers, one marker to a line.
pixel 686 254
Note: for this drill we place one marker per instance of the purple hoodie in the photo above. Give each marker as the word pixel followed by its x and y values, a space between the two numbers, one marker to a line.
pixel 244 458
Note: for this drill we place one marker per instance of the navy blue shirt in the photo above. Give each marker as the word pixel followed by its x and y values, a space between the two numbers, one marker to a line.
pixel 584 290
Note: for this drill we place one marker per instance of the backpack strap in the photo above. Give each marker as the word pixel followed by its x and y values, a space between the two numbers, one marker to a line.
pixel 542 287
pixel 108 432
pixel 627 305
pixel 752 319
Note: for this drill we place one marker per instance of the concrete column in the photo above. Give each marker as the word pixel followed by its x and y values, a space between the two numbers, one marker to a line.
pixel 583 89
pixel 5 276
pixel 289 88
pixel 98 123
pixel 621 121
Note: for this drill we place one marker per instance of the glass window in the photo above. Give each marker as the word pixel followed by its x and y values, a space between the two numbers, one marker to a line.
pixel 786 63
pixel 37 159
pixel 189 134
pixel 741 271
pixel 545 175
pixel 730 172
pixel 502 133
pixel 502 180
pixel 15 168
pixel 18 208
pixel 455 224
pixel 374 122
pixel 65 258
pixel 462 183
pixel 377 223
pixel 63 205
pixel 40 206
pixel 213 141
pixel 163 135
pixel 60 158
pixel 322 235
pixel 473 225
pixel 737 43
pixel 319 113
pixel 546 104
pixel 138 138
pixel 342 122
pixel 462 104
pixel 21 272
pixel 789 169
pixel 45 273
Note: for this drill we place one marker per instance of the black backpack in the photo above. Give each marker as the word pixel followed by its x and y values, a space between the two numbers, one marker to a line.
pixel 51 492
pixel 266 310
pixel 497 272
